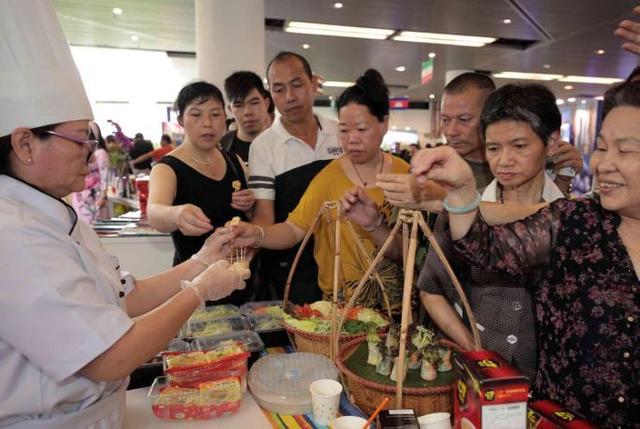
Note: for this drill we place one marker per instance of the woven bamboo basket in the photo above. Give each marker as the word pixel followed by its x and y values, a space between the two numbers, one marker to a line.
pixel 328 344
pixel 367 394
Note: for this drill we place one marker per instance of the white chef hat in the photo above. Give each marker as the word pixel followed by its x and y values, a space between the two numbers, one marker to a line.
pixel 39 82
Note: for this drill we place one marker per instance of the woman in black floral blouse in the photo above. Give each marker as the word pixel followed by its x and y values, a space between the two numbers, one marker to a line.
pixel 587 252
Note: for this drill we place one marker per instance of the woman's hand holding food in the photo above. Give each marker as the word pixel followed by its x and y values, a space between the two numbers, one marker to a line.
pixel 191 220
pixel 243 200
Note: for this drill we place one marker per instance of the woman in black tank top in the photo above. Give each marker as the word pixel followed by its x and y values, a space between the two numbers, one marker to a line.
pixel 198 187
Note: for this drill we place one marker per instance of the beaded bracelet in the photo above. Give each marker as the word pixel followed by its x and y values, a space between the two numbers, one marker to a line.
pixel 464 209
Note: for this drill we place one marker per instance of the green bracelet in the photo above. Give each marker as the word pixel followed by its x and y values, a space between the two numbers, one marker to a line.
pixel 465 209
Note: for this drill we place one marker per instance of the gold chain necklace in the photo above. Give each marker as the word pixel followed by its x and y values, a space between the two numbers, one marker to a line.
pixel 194 159
pixel 364 184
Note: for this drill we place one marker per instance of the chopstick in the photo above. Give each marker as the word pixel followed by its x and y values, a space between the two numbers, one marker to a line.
pixel 384 402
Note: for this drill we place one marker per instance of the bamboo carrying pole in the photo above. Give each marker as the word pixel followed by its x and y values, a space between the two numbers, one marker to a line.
pixel 334 339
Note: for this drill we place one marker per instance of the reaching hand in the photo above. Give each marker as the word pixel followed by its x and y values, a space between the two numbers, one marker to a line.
pixel 191 220
pixel 360 208
pixel 399 189
pixel 218 281
pixel 567 156
pixel 243 200
pixel 630 31
pixel 216 247
pixel 246 234
pixel 445 167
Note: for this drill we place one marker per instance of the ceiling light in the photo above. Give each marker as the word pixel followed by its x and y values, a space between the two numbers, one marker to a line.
pixel 407 128
pixel 506 21
pixel 306 46
pixel 443 39
pixel 432 96
pixel 600 52
pixel 571 99
pixel 589 79
pixel 432 54
pixel 583 101
pixel 331 97
pixel 568 87
pixel 599 97
pixel 337 84
pixel 338 5
pixel 393 127
pixel 134 38
pixel 337 30
pixel 401 68
pixel 559 101
pixel 546 66
pixel 527 76
pixel 116 11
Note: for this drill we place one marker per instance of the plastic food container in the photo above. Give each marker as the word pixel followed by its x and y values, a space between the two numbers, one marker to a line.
pixel 215 312
pixel 265 323
pixel 250 341
pixel 214 327
pixel 205 401
pixel 280 382
pixel 259 307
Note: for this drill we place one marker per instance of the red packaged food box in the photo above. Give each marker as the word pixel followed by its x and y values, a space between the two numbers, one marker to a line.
pixel 552 415
pixel 490 393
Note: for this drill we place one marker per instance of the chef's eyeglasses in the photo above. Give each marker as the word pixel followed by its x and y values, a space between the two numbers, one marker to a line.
pixel 90 144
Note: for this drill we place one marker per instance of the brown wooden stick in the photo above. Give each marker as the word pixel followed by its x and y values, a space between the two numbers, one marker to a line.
pixel 294 265
pixel 367 273
pixel 335 335
pixel 405 240
pixel 456 283
pixel 406 308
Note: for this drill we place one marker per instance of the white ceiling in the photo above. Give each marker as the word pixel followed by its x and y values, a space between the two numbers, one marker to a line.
pixel 568 34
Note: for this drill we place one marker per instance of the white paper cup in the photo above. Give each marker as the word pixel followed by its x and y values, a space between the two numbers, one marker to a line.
pixel 348 422
pixel 325 400
pixel 435 421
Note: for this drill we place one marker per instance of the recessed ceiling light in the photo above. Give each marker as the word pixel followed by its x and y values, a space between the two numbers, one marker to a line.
pixel 591 79
pixel 527 76
pixel 583 101
pixel 571 99
pixel 599 97
pixel 559 101
pixel 432 96
pixel 506 21
pixel 432 54
pixel 331 97
pixel 116 11
pixel 338 5
pixel 134 38
pixel 337 30
pixel 600 52
pixel 306 46
pixel 568 87
pixel 443 39
pixel 401 68
pixel 547 66
pixel 337 84
pixel 393 127
pixel 407 128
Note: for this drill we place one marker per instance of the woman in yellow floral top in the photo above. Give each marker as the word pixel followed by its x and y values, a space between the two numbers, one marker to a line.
pixel 363 111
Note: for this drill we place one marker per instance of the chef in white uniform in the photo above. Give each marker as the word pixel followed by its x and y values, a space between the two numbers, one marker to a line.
pixel 72 326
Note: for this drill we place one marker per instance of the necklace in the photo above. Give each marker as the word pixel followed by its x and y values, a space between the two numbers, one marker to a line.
pixel 500 193
pixel 194 159
pixel 364 184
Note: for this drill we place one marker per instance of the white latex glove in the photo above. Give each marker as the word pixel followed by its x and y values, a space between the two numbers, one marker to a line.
pixel 218 281
pixel 216 247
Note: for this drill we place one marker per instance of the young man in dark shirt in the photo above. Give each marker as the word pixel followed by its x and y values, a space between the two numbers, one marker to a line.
pixel 249 103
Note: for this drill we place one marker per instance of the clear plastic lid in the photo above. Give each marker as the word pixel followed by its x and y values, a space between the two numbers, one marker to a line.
pixel 259 307
pixel 280 382
pixel 210 328
pixel 215 312
pixel 265 323
pixel 250 341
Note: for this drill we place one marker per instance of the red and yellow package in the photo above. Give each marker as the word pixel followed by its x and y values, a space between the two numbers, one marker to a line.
pixel 551 415
pixel 490 393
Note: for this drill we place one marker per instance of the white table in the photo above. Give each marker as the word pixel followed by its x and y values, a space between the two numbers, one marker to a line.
pixel 139 415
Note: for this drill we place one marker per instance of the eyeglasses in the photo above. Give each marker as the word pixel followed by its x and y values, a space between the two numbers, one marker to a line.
pixel 90 144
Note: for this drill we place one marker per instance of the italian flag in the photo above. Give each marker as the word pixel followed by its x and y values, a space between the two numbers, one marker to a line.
pixel 427 71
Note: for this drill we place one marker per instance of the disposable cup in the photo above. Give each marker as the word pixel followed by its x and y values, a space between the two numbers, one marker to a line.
pixel 348 422
pixel 435 421
pixel 325 400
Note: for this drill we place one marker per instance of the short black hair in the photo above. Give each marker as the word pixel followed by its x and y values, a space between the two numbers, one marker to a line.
pixel 468 80
pixel 533 104
pixel 166 138
pixel 239 84
pixel 369 90
pixel 196 92
pixel 623 94
pixel 634 75
pixel 111 138
pixel 286 55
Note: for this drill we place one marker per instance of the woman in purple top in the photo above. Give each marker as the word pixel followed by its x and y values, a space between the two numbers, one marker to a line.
pixel 587 252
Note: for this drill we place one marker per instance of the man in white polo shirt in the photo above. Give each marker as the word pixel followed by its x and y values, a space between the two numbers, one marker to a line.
pixel 283 160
